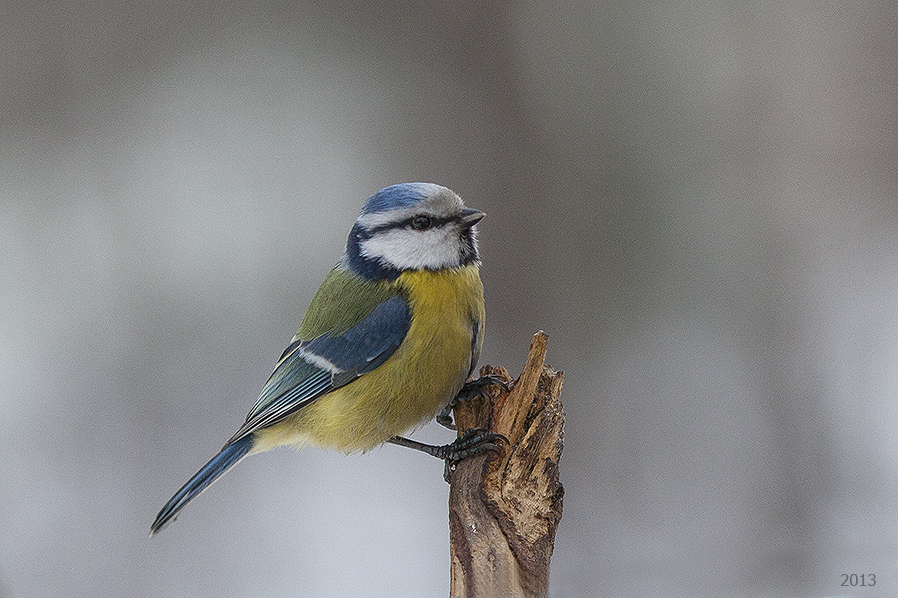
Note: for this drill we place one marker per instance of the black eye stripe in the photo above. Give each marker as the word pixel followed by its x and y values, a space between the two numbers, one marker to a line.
pixel 435 221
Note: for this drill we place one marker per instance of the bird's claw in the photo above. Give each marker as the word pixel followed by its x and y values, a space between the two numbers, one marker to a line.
pixel 474 441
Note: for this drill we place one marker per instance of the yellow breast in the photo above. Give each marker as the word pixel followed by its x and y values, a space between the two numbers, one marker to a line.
pixel 425 372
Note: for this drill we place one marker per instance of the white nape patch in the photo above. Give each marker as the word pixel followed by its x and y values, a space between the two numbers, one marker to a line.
pixel 409 249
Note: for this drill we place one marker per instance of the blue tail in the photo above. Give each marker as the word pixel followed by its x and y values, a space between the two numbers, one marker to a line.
pixel 229 456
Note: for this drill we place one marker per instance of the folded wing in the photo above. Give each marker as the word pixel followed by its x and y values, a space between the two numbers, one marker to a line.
pixel 309 369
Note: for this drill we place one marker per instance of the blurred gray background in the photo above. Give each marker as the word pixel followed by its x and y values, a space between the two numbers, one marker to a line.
pixel 697 201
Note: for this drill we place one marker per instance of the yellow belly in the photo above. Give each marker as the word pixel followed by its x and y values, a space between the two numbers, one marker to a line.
pixel 425 372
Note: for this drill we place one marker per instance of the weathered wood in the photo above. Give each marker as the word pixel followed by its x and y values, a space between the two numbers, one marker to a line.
pixel 504 507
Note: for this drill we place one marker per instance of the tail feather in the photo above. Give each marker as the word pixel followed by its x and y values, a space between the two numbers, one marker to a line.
pixel 229 456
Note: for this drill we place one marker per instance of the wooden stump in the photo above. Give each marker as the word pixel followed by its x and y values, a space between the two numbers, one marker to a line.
pixel 504 507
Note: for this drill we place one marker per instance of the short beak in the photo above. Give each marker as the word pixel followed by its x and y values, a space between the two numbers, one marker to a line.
pixel 469 216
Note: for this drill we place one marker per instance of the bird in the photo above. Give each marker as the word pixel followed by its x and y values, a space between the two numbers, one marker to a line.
pixel 390 340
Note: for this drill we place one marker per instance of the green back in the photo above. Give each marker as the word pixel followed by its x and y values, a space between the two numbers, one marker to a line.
pixel 341 302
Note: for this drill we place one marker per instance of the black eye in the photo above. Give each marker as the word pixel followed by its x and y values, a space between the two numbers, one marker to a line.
pixel 421 222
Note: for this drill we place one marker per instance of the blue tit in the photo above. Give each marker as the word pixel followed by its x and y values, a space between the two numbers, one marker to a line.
pixel 388 341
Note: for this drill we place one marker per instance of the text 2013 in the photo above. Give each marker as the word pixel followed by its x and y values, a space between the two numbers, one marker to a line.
pixel 862 580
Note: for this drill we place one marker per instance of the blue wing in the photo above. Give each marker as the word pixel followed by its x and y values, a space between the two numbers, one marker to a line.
pixel 311 368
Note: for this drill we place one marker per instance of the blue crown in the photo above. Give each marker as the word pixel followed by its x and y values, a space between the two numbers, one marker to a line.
pixel 399 196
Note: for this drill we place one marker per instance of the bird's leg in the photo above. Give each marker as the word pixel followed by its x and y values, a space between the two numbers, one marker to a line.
pixel 468 391
pixel 473 442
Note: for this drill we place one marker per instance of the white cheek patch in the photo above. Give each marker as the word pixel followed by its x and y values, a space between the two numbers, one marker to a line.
pixel 407 249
